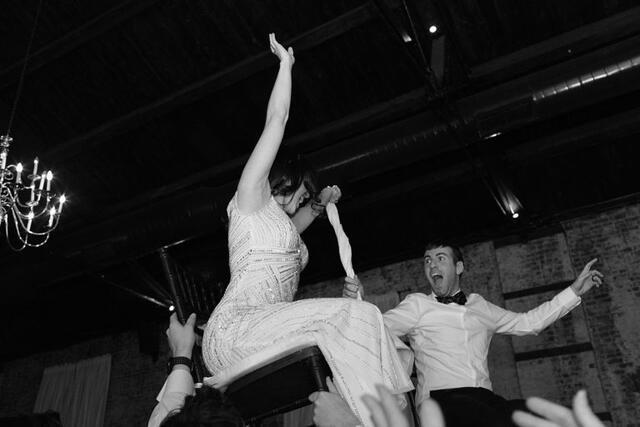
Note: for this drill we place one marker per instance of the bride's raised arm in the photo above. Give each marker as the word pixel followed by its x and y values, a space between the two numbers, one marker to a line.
pixel 253 188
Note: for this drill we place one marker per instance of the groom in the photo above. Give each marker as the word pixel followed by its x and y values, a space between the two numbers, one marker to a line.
pixel 450 334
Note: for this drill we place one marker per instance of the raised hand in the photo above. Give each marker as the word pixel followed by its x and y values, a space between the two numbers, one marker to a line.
pixel 284 55
pixel 587 279
pixel 549 414
pixel 385 412
pixel 582 411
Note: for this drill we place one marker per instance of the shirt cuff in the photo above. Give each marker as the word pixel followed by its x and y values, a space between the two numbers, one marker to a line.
pixel 568 298
pixel 179 381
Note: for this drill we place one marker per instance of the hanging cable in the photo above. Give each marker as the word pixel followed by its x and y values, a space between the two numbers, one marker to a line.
pixel 24 67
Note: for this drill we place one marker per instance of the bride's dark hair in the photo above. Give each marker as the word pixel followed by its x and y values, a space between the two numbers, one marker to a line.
pixel 288 172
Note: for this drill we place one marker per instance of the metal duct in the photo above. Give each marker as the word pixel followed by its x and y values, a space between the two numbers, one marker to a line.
pixel 586 79
pixel 610 72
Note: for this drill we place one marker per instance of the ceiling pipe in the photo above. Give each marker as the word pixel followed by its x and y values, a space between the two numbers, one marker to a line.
pixel 586 80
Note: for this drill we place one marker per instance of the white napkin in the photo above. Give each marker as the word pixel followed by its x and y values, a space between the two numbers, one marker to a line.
pixel 343 241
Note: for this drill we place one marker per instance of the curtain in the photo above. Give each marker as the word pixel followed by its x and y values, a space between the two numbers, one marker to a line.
pixel 77 391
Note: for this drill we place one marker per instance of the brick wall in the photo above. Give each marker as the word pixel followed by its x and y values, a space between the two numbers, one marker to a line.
pixel 597 346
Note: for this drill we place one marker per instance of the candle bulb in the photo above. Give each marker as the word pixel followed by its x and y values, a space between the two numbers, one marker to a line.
pixel 35 168
pixel 33 196
pixel 62 200
pixel 49 178
pixel 52 214
pixel 42 179
pixel 19 173
pixel 29 220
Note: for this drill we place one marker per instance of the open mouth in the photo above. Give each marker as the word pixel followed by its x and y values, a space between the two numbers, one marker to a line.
pixel 437 278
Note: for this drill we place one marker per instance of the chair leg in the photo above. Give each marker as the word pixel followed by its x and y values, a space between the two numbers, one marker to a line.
pixel 315 363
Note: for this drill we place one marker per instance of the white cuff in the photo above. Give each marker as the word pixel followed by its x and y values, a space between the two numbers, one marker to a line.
pixel 568 298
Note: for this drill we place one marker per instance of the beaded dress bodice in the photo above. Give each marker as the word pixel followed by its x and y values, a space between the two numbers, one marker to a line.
pixel 266 256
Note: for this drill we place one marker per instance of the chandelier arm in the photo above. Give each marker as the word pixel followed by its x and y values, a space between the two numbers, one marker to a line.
pixel 37 245
pixel 18 217
pixel 44 210
pixel 39 234
pixel 20 204
pixel 30 203
pixel 25 240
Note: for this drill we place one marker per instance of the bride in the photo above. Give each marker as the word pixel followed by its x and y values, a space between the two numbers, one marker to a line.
pixel 266 256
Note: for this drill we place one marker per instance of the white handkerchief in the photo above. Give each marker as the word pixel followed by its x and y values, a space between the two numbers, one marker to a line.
pixel 343 241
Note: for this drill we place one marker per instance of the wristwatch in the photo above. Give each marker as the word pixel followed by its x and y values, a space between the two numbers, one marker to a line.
pixel 173 361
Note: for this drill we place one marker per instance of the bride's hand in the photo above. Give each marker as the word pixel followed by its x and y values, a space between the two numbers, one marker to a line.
pixel 284 55
pixel 330 194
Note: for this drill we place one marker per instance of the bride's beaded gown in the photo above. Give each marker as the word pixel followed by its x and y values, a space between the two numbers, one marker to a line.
pixel 266 256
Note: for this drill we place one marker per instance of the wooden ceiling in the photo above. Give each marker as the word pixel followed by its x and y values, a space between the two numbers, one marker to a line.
pixel 147 109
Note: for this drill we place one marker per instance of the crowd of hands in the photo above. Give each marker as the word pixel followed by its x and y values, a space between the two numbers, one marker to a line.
pixel 386 412
pixel 331 410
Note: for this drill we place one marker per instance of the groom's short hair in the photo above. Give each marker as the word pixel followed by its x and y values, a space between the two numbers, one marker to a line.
pixel 457 253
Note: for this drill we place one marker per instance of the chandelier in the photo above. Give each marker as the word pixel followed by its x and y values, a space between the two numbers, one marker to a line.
pixel 29 209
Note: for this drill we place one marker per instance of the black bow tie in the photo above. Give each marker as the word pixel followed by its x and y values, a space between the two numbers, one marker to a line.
pixel 458 298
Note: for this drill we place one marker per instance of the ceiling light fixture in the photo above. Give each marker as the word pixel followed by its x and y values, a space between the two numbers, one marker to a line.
pixel 493 135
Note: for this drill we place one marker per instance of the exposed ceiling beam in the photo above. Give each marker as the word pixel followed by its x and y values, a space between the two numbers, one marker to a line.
pixel 215 82
pixel 346 127
pixel 447 23
pixel 147 279
pixel 130 291
pixel 24 138
pixel 559 48
pixel 399 33
pixel 70 41
pixel 580 137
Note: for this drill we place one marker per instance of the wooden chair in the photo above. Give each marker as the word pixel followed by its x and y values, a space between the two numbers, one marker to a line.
pixel 274 381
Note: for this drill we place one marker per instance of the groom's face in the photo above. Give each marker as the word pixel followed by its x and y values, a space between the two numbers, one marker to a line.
pixel 442 271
